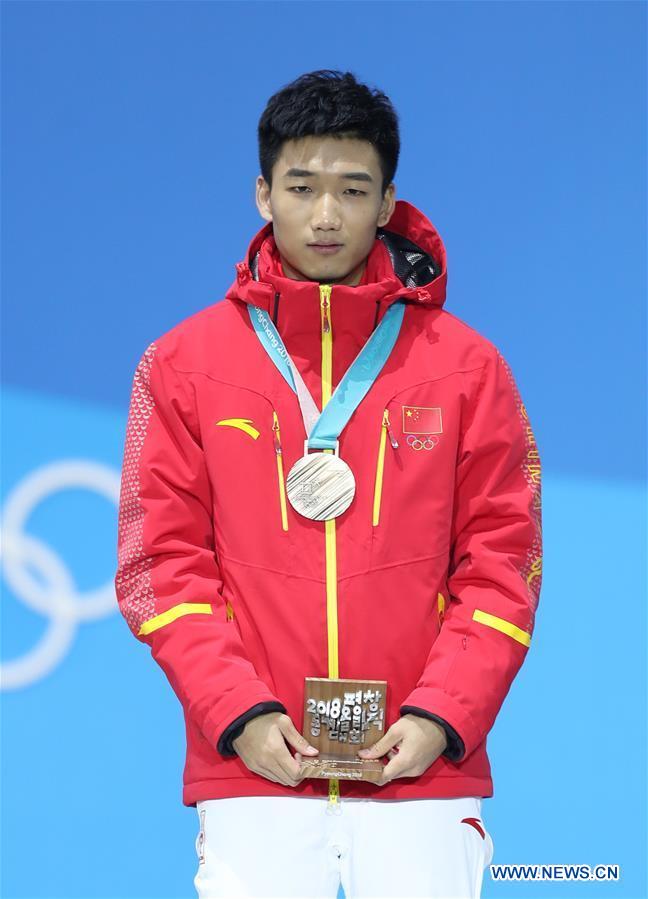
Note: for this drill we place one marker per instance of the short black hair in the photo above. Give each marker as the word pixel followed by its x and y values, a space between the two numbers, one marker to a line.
pixel 329 102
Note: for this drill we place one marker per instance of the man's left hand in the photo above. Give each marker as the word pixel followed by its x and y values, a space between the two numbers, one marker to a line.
pixel 412 744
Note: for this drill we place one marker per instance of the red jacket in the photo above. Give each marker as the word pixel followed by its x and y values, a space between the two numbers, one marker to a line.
pixel 429 580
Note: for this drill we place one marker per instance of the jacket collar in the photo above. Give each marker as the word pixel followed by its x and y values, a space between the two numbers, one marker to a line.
pixel 407 261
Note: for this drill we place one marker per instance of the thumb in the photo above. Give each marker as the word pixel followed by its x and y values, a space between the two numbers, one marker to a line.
pixel 387 742
pixel 293 737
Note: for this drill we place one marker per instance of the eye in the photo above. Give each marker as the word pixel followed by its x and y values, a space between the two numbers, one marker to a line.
pixel 300 188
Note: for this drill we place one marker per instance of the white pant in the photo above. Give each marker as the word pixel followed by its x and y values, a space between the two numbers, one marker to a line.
pixel 258 846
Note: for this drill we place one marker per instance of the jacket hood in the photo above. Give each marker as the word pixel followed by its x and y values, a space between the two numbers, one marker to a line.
pixel 407 262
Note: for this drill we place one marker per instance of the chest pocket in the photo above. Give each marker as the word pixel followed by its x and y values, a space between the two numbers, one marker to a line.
pixel 414 447
pixel 244 450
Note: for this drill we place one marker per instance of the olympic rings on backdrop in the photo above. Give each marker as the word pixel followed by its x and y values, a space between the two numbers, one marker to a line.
pixel 40 578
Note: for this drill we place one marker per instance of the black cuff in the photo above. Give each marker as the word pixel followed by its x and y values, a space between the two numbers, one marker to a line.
pixel 455 750
pixel 235 729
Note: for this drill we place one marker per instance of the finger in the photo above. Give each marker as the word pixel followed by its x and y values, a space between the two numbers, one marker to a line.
pixel 397 767
pixel 278 776
pixel 299 758
pixel 292 736
pixel 387 742
pixel 287 767
pixel 304 763
pixel 279 760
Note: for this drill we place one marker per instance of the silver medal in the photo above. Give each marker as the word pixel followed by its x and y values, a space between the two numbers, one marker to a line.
pixel 320 486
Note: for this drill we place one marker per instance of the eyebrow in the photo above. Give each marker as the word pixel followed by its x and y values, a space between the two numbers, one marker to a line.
pixel 304 173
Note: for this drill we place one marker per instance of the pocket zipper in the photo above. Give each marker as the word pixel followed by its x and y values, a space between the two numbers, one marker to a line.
pixel 380 467
pixel 280 472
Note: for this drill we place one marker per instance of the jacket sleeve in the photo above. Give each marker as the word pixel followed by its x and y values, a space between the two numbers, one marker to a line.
pixel 494 575
pixel 168 581
pixel 455 747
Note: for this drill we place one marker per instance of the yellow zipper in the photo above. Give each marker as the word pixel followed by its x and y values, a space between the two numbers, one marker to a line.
pixel 280 472
pixel 380 466
pixel 327 342
pixel 229 611
pixel 330 531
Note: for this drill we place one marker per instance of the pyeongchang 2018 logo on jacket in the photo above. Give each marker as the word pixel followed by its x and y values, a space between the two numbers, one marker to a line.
pixel 421 426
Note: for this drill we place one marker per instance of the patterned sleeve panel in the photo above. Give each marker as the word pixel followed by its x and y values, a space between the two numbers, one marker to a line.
pixel 168 581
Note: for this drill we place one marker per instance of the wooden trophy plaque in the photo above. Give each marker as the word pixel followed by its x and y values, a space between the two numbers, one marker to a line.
pixel 340 717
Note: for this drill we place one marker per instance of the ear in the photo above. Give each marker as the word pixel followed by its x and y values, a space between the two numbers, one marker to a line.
pixel 263 198
pixel 388 206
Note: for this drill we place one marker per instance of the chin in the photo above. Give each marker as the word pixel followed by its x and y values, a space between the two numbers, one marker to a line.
pixel 322 273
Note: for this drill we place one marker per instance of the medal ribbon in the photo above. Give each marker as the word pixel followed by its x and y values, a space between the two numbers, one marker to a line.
pixel 324 428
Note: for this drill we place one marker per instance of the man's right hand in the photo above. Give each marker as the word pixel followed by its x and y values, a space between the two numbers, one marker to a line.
pixel 262 747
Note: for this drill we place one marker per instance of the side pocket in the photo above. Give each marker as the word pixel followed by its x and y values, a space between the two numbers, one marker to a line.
pixel 280 470
pixel 385 430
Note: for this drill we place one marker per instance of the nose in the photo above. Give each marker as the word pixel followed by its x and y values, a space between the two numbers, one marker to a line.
pixel 326 214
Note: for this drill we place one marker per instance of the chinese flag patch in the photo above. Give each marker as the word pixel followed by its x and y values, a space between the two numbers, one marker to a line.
pixel 422 420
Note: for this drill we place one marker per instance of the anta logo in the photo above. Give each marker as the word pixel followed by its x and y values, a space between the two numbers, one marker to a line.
pixel 421 425
pixel 476 823
pixel 243 424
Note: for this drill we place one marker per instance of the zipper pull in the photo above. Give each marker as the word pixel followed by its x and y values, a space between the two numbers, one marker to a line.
pixel 276 434
pixel 326 306
pixel 333 806
pixel 326 326
pixel 387 424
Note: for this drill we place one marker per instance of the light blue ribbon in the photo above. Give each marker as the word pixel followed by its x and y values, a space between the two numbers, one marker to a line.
pixel 356 382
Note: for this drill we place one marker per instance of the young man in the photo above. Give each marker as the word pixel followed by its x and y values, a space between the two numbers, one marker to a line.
pixel 245 572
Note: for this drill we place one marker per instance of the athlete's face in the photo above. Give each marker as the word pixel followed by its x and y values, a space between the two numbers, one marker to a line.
pixel 325 190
